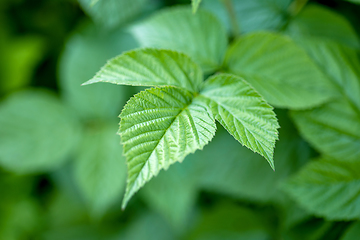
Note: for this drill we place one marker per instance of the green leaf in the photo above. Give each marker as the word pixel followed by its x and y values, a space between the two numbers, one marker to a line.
pixel 195 5
pixel 237 174
pixel 243 113
pixel 159 127
pixel 321 22
pixel 172 192
pixel 37 132
pixel 328 188
pixel 100 169
pixel 341 64
pixel 334 129
pixel 88 50
pixel 111 13
pixel 151 67
pixel 201 36
pixel 279 70
pixel 353 232
pixel 252 15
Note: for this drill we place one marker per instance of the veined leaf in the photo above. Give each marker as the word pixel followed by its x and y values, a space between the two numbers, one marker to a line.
pixel 328 188
pixel 195 5
pixel 201 36
pixel 100 169
pixel 159 127
pixel 111 13
pixel 334 129
pixel 151 67
pixel 237 174
pixel 173 192
pixel 243 113
pixel 37 132
pixel 279 70
pixel 318 21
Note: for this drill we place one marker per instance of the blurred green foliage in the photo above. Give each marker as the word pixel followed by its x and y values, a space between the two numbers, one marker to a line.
pixel 62 173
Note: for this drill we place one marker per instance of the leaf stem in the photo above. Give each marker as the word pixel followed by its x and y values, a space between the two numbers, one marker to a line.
pixel 232 15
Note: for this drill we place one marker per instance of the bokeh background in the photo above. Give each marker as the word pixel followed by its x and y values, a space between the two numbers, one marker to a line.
pixel 62 173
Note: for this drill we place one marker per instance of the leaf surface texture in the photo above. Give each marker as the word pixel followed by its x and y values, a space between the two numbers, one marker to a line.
pixel 243 113
pixel 151 67
pixel 159 127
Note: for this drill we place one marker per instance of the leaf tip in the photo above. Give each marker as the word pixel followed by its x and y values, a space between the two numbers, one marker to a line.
pixel 125 202
pixel 91 81
pixel 272 165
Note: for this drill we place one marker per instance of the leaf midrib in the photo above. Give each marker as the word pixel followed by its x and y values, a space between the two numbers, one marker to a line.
pixel 172 122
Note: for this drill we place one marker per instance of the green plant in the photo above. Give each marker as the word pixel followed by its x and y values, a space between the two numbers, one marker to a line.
pixel 162 125
pixel 280 77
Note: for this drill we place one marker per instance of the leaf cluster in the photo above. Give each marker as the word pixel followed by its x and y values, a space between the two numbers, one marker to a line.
pixel 284 84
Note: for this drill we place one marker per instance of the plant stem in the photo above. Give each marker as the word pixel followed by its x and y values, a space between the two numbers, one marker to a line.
pixel 296 6
pixel 232 15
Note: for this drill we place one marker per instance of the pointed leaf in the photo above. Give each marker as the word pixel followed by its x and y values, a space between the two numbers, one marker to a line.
pixel 243 113
pixel 279 70
pixel 224 167
pixel 321 22
pixel 328 188
pixel 201 36
pixel 37 132
pixel 195 5
pixel 151 67
pixel 334 129
pixel 100 169
pixel 159 127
